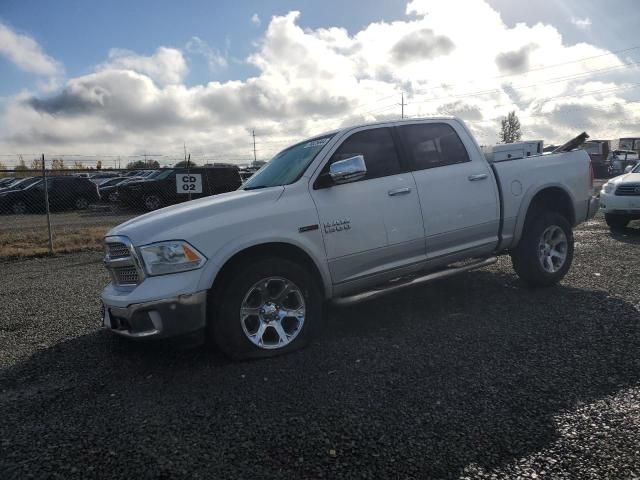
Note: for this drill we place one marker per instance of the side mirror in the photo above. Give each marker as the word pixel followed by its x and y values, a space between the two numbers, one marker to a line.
pixel 348 170
pixel 628 168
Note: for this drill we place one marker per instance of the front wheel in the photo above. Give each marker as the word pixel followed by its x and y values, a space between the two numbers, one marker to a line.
pixel 545 252
pixel 266 308
pixel 152 202
pixel 616 222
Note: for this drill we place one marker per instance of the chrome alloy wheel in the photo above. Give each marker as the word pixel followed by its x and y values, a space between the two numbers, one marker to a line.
pixel 552 249
pixel 272 313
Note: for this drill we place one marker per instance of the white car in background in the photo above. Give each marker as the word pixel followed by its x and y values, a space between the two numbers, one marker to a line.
pixel 620 198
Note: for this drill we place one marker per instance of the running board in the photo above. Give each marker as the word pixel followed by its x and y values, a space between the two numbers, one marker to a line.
pixel 408 282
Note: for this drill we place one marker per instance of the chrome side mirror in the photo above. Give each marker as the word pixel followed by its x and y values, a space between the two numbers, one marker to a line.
pixel 348 170
pixel 628 168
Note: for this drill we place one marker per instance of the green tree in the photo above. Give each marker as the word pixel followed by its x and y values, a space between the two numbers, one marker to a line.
pixel 510 131
pixel 142 165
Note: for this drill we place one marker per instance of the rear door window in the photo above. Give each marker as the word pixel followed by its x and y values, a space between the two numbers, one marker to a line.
pixel 432 145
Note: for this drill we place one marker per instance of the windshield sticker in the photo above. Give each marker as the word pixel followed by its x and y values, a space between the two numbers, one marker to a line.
pixel 317 143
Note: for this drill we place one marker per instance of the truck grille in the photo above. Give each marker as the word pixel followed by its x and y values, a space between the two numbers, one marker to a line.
pixel 630 189
pixel 126 275
pixel 117 250
pixel 122 262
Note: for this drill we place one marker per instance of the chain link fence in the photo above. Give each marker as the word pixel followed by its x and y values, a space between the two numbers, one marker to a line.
pixel 49 210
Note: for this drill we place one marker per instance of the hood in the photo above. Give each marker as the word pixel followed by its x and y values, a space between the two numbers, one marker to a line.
pixel 178 221
pixel 626 178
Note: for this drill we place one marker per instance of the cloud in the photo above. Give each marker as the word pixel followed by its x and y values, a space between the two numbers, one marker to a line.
pixel 215 59
pixel 515 61
pixel 255 19
pixel 166 66
pixel 26 54
pixel 581 23
pixel 421 45
pixel 310 80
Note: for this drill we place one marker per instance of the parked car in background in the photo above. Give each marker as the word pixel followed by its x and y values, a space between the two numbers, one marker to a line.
pixel 620 199
pixel 161 188
pixel 65 193
pixel 100 177
pixel 619 160
pixel 6 181
pixel 599 151
pixel 346 217
pixel 109 188
pixel 20 183
pixel 629 143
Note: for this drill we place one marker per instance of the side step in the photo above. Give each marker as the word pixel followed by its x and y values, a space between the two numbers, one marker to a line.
pixel 402 283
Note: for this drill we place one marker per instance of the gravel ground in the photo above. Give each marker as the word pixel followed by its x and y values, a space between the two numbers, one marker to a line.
pixel 474 376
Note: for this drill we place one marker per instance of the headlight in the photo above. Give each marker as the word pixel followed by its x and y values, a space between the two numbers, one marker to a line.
pixel 170 257
pixel 608 187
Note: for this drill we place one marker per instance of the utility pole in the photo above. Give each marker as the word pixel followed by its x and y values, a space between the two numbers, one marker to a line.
pixel 402 104
pixel 255 157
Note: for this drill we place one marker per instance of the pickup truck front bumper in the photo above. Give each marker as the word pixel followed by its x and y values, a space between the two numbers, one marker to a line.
pixel 164 318
pixel 594 205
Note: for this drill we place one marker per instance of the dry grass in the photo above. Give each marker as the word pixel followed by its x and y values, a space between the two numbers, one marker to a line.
pixel 35 242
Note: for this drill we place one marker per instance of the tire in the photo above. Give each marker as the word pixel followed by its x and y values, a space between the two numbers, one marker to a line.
pixel 19 208
pixel 81 203
pixel 152 202
pixel 616 222
pixel 537 260
pixel 247 320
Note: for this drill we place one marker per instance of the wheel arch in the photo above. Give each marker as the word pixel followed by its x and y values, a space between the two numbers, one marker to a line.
pixel 280 249
pixel 551 198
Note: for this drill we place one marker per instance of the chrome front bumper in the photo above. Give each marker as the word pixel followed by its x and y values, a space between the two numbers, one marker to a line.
pixel 158 319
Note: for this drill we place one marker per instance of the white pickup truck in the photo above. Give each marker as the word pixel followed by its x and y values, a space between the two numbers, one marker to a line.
pixel 342 217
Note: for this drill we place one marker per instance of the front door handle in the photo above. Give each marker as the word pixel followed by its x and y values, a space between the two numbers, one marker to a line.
pixel 399 191
pixel 475 178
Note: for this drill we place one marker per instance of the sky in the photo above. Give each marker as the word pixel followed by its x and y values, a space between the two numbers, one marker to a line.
pixel 88 80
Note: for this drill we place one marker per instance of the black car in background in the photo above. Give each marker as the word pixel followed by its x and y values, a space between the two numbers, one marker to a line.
pixel 109 188
pixel 19 183
pixel 6 181
pixel 161 188
pixel 65 193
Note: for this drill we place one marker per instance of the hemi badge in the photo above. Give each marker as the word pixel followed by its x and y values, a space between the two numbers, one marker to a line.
pixel 308 228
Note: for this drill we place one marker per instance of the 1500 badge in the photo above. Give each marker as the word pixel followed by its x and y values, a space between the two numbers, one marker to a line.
pixel 337 226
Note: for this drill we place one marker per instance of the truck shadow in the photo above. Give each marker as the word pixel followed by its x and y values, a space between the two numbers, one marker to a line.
pixel 470 370
pixel 629 234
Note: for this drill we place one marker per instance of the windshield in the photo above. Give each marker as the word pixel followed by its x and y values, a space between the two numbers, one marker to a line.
pixel 160 174
pixel 24 183
pixel 636 169
pixel 288 165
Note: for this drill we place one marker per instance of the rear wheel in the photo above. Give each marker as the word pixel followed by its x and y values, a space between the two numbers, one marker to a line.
pixel 152 202
pixel 545 252
pixel 81 203
pixel 616 221
pixel 267 308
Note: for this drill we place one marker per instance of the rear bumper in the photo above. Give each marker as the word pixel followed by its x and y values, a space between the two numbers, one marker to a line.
pixel 164 318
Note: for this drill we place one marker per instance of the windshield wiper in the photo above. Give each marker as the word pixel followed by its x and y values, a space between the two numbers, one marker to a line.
pixel 257 187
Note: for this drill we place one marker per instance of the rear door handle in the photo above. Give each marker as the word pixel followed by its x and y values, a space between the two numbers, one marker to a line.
pixel 399 191
pixel 475 178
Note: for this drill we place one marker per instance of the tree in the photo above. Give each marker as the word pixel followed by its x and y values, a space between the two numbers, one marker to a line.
pixel 510 131
pixel 36 164
pixel 142 165
pixel 183 164
pixel 20 168
pixel 78 165
pixel 99 165
pixel 57 164
pixel 2 167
